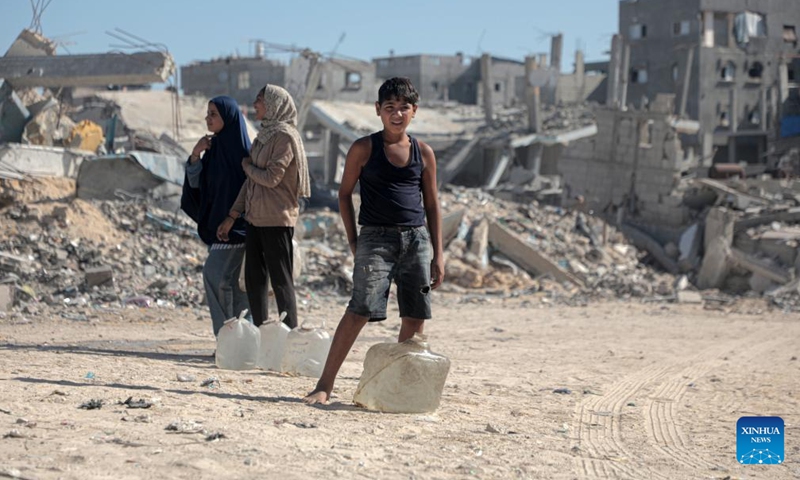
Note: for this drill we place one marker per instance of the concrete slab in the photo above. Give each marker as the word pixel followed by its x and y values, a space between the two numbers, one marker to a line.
pixel 99 276
pixel 714 267
pixel 87 70
pixel 719 224
pixel 479 244
pixel 791 215
pixel 40 161
pixel 646 242
pixel 451 224
pixel 761 267
pixel 6 297
pixel 535 263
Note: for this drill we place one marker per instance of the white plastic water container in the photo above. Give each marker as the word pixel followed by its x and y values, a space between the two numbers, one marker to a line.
pixel 238 344
pixel 306 351
pixel 402 377
pixel 273 343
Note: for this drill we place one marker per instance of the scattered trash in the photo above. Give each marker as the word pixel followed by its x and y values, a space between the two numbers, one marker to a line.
pixel 186 378
pixel 181 426
pixel 141 403
pixel 286 421
pixel 210 383
pixel 492 428
pixel 15 434
pixel 215 437
pixel 563 391
pixel 26 423
pixel 92 404
pixel 138 419
pixel 89 376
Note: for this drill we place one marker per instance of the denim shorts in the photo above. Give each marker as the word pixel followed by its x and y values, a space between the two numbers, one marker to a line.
pixel 383 254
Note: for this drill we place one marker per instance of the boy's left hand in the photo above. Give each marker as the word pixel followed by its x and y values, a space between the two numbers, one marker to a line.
pixel 437 272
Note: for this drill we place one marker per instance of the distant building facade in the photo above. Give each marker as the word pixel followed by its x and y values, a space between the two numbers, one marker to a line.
pixel 238 77
pixel 432 75
pixel 744 71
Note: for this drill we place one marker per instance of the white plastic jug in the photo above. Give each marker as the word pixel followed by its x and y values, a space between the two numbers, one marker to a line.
pixel 306 351
pixel 273 342
pixel 402 377
pixel 238 344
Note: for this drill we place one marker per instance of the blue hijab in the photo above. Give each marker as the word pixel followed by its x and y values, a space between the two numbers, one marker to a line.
pixel 222 176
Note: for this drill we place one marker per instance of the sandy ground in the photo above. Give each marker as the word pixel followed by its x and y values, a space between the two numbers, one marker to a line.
pixel 656 390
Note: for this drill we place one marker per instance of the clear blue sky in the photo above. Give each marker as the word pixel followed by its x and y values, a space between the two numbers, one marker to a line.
pixel 202 29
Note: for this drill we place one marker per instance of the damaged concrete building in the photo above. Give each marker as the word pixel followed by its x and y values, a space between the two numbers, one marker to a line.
pixel 237 77
pixel 741 84
pixel 433 75
pixel 720 78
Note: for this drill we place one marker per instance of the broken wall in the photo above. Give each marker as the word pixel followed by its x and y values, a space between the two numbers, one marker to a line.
pixel 575 88
pixel 240 78
pixel 508 83
pixel 633 163
pixel 344 80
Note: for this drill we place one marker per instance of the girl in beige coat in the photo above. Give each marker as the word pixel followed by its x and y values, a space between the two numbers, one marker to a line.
pixel 277 176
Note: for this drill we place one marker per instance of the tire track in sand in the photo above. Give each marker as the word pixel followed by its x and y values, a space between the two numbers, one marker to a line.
pixel 599 418
pixel 661 409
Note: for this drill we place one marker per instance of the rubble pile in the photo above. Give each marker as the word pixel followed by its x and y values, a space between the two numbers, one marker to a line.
pixel 73 255
pixel 138 256
pixel 613 270
pixel 743 240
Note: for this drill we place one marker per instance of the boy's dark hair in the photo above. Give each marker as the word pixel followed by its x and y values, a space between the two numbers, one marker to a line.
pixel 399 88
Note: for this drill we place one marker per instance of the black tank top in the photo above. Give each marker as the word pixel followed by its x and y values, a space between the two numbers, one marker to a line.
pixel 390 195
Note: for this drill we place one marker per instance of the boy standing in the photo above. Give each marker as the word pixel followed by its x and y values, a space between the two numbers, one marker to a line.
pixel 397 176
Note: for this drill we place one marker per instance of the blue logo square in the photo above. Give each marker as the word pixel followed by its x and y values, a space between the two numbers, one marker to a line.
pixel 759 441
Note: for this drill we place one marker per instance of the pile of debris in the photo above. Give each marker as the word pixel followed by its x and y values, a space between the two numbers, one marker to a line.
pixel 494 244
pixel 74 255
pixel 744 239
pixel 69 253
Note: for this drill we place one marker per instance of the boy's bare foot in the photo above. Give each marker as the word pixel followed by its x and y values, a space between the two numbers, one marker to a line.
pixel 317 397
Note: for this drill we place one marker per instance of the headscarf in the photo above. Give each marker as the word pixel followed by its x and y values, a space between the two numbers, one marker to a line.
pixel 281 116
pixel 221 177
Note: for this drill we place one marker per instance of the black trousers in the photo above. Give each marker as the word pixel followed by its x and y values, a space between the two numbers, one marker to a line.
pixel 270 258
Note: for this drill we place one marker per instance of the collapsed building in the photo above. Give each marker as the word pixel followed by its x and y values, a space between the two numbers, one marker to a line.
pixel 528 139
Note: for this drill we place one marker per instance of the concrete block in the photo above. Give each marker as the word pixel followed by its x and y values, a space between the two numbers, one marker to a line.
pixel 479 244
pixel 99 276
pixel 688 296
pixel 6 297
pixel 714 267
pixel 719 224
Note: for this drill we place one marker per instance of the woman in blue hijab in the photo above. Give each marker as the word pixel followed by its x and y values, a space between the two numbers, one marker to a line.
pixel 214 176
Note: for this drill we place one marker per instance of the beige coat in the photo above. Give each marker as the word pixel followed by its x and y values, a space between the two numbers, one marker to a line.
pixel 268 197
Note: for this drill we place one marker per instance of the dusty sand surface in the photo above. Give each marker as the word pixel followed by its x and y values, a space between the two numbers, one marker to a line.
pixel 656 390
